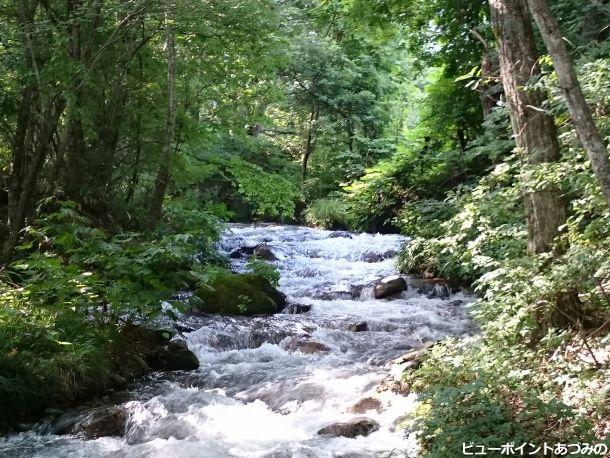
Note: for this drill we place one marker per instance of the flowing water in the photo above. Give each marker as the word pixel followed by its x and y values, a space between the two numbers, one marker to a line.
pixel 253 398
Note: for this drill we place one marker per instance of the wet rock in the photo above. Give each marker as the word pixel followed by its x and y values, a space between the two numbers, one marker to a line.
pixel 264 252
pixel 358 327
pixel 184 328
pixel 306 346
pixel 242 252
pixel 455 303
pixel 394 386
pixel 361 426
pixel 432 288
pixel 238 294
pixel 365 405
pixel 173 356
pixel 413 359
pixel 390 286
pixel 331 295
pixel 340 234
pixel 361 291
pixel 100 422
pixel 297 309
pixel 372 257
pixel 308 273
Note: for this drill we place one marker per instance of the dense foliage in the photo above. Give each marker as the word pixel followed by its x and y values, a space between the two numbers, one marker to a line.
pixel 129 131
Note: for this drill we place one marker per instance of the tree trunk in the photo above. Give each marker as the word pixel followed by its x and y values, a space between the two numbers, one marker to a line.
pixel 488 101
pixel 581 114
pixel 74 137
pixel 163 175
pixel 36 125
pixel 534 129
pixel 33 142
pixel 311 139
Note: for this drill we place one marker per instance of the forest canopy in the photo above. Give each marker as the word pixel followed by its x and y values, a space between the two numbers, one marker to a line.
pixel 131 131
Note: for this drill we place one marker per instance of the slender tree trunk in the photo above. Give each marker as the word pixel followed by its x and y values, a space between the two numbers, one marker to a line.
pixel 311 139
pixel 74 141
pixel 581 114
pixel 33 142
pixel 163 175
pixel 534 130
pixel 463 142
pixel 488 102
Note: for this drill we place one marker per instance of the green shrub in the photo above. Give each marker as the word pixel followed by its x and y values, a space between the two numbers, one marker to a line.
pixel 485 228
pixel 264 269
pixel 473 391
pixel 65 297
pixel 328 213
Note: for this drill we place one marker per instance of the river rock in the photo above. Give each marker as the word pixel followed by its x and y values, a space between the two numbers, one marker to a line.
pixel 99 422
pixel 306 346
pixel 340 234
pixel 390 286
pixel 238 294
pixel 361 426
pixel 173 356
pixel 432 288
pixel 365 405
pixel 242 252
pixel 297 309
pixel 264 252
pixel 372 257
pixel 358 327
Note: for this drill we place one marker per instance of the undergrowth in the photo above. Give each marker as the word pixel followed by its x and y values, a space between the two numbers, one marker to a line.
pixel 73 288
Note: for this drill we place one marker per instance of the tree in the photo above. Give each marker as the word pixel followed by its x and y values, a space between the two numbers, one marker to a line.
pixel 577 104
pixel 163 174
pixel 534 129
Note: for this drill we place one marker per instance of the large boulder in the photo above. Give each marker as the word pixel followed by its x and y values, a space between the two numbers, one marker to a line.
pixel 390 286
pixel 360 426
pixel 99 422
pixel 239 294
pixel 172 356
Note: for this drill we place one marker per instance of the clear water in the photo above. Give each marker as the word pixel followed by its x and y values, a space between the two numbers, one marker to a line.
pixel 251 397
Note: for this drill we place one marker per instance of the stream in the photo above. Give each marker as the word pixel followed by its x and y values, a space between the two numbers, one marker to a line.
pixel 252 396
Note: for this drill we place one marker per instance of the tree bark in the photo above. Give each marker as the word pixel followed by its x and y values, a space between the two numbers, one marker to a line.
pixel 163 175
pixel 577 104
pixel 534 130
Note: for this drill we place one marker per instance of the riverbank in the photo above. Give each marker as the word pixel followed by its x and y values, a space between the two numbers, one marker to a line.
pixel 130 352
pixel 69 300
pixel 539 370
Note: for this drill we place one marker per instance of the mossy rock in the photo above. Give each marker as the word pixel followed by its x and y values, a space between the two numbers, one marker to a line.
pixel 239 294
